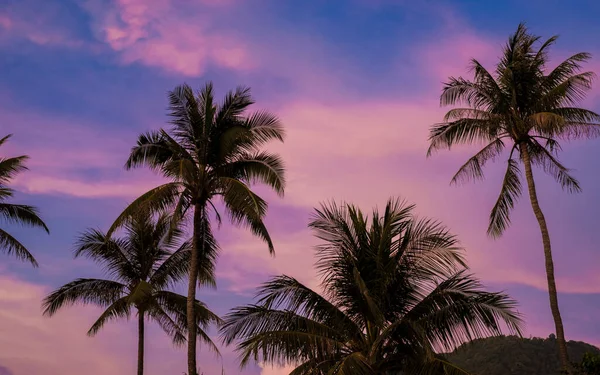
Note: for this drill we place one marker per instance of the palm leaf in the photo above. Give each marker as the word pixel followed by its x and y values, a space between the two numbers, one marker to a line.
pixel 10 167
pixel 11 246
pixel 117 310
pixel 542 157
pixel 246 208
pixel 509 193
pixel 22 214
pixel 472 169
pixel 155 200
pixel 258 167
pixel 85 291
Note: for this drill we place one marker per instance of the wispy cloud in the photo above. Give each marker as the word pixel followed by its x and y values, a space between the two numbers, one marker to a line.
pixel 177 36
pixel 39 23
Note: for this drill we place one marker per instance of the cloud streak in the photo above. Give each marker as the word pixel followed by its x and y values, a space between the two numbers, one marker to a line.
pixel 173 35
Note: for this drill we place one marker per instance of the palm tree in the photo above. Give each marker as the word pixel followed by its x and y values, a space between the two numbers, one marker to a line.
pixel 529 109
pixel 15 213
pixel 212 150
pixel 396 292
pixel 142 267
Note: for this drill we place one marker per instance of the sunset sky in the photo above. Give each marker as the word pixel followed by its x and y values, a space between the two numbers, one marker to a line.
pixel 356 84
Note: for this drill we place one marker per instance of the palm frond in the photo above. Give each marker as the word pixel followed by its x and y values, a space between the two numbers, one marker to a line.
pixel 186 118
pixel 12 246
pixel 207 111
pixel 509 193
pixel 473 168
pixel 85 291
pixel 117 310
pixel 460 90
pixel 171 327
pixel 578 123
pixel 171 309
pixel 278 336
pixel 111 253
pixel 10 167
pixel 5 138
pixel 257 167
pixel 246 208
pixel 463 131
pixel 174 269
pixel 427 250
pixel 234 104
pixel 459 310
pixel 542 157
pixel 22 214
pixel 290 294
pixel 181 166
pixel 264 127
pixel 155 200
pixel 208 250
pixel 151 150
pixel 353 364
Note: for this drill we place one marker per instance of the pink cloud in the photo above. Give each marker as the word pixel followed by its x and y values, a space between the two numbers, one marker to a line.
pixel 33 344
pixel 60 149
pixel 275 370
pixel 451 54
pixel 366 152
pixel 170 34
pixel 123 188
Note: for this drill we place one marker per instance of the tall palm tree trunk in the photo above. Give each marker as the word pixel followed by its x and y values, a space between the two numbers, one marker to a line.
pixel 197 241
pixel 140 365
pixel 560 332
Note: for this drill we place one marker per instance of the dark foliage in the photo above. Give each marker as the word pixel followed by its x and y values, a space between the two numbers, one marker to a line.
pixel 511 355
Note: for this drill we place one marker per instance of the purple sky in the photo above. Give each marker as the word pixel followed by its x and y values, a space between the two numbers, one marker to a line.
pixel 357 86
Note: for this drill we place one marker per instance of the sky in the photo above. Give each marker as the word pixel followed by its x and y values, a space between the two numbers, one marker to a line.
pixel 356 84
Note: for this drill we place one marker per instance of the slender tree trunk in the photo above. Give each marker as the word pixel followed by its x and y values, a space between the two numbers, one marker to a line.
pixel 560 332
pixel 193 280
pixel 140 366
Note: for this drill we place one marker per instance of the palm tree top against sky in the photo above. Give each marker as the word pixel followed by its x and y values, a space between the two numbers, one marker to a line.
pixel 394 291
pixel 527 108
pixel 357 88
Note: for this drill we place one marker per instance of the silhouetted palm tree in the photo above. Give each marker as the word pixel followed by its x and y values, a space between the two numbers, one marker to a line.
pixel 212 150
pixel 396 292
pixel 15 213
pixel 529 109
pixel 142 268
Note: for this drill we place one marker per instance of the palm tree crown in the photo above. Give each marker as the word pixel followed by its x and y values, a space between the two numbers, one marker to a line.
pixel 212 150
pixel 396 292
pixel 142 265
pixel 530 109
pixel 523 106
pixel 15 213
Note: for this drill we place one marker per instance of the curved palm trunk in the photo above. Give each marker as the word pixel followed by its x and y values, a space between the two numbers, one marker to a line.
pixel 560 332
pixel 140 366
pixel 197 242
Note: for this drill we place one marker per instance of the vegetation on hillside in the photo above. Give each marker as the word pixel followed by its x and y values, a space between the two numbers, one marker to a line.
pixel 511 355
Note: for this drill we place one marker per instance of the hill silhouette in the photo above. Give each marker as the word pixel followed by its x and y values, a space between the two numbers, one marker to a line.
pixel 511 355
